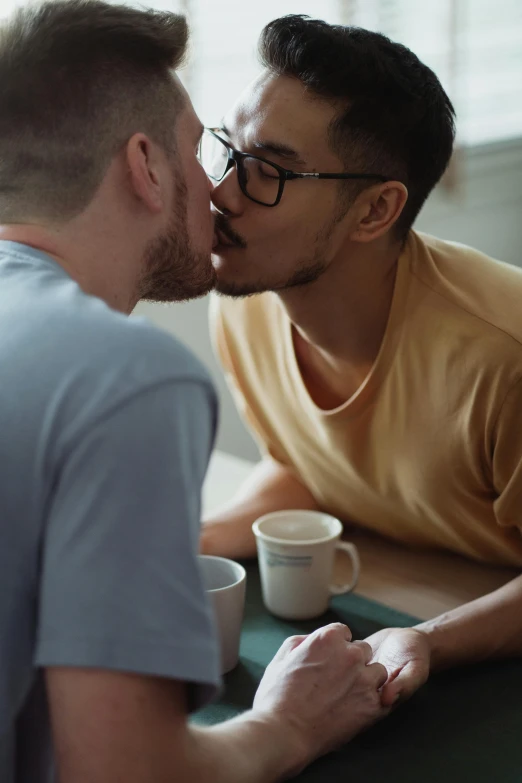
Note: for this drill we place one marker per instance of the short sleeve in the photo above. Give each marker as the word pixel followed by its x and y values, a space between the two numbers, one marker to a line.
pixel 120 584
pixel 507 460
pixel 223 353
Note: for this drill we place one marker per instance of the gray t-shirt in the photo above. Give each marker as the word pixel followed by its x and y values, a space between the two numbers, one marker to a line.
pixel 106 426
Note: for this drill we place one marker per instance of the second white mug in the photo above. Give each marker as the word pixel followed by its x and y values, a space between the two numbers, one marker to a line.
pixel 225 585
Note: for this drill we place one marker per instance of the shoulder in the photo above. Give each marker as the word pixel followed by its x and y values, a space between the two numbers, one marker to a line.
pixel 88 359
pixel 79 362
pixel 102 339
pixel 478 288
pixel 127 370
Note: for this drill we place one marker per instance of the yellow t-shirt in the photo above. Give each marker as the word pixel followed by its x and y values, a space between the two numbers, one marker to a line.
pixel 429 449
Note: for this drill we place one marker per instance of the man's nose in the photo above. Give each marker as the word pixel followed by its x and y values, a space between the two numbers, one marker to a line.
pixel 226 195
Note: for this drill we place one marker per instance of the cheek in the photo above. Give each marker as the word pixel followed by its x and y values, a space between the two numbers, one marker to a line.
pixel 281 227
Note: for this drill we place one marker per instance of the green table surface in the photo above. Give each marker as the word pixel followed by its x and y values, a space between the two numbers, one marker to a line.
pixel 464 725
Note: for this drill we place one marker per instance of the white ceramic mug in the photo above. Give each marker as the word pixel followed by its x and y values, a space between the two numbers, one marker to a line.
pixel 225 585
pixel 296 556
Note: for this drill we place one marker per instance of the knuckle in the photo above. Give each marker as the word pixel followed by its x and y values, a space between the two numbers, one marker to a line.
pixel 291 640
pixel 290 643
pixel 381 670
pixel 337 631
pixel 330 632
pixel 326 635
pixel 365 649
pixel 355 654
pixel 377 672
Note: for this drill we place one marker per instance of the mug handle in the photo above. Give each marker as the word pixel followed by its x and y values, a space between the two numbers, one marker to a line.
pixel 353 554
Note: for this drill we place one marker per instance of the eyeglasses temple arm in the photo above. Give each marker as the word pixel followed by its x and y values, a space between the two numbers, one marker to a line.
pixel 316 175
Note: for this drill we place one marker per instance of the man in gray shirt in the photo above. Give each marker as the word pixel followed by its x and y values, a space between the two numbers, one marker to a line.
pixel 106 639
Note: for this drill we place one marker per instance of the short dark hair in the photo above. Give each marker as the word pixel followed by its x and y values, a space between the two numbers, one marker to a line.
pixel 77 79
pixel 398 120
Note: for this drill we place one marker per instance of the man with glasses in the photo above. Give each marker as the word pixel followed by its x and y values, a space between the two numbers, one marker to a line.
pixel 379 369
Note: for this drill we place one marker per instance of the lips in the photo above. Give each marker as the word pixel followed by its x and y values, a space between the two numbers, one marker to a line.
pixel 222 239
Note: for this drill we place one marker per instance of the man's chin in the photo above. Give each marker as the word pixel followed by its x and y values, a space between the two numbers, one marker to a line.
pixel 238 289
pixel 177 295
pixel 169 289
pixel 230 283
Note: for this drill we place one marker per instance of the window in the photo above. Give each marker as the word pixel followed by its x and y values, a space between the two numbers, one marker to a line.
pixel 473 45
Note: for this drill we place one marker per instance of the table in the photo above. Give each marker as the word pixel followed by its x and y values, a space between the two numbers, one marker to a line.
pixel 419 583
pixel 463 726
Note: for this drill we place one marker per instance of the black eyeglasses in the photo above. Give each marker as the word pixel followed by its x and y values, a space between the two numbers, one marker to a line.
pixel 260 180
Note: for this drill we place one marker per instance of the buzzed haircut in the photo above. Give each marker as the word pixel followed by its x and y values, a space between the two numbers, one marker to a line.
pixel 77 79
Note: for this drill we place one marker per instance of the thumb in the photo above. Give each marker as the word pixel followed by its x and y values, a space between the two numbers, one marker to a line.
pixel 404 685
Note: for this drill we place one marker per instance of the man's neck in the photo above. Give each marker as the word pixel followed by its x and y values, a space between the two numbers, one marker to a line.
pixel 95 271
pixel 343 314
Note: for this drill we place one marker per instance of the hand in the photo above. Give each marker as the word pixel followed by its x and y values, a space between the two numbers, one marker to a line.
pixel 406 653
pixel 321 690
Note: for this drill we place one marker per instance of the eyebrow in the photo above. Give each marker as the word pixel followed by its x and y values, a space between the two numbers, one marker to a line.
pixel 275 147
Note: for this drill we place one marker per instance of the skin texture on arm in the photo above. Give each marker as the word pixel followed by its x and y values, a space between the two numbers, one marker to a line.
pixel 270 487
pixel 111 726
pixel 485 629
pixel 318 692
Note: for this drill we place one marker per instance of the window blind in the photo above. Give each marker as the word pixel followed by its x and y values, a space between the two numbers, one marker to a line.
pixel 475 47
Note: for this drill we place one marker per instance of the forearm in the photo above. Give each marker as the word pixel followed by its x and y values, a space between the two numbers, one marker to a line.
pixel 247 749
pixel 489 627
pixel 270 487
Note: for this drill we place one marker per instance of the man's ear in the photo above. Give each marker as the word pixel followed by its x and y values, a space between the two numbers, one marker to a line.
pixel 146 170
pixel 378 209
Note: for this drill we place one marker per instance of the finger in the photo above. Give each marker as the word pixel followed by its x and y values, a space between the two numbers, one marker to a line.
pixel 334 634
pixel 288 646
pixel 390 694
pixel 335 629
pixel 365 649
pixel 401 687
pixel 379 675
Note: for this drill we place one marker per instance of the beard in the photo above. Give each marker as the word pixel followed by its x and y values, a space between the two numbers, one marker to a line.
pixel 173 270
pixel 307 270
